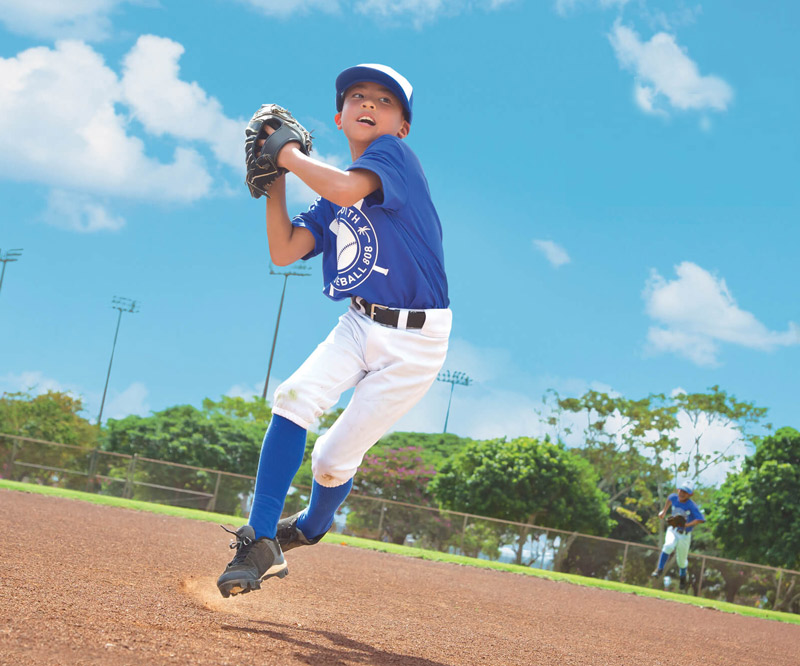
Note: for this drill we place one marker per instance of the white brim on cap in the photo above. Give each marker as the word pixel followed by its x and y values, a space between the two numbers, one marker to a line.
pixel 375 73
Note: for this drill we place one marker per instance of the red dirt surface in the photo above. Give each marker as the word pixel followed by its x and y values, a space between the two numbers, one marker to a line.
pixel 88 584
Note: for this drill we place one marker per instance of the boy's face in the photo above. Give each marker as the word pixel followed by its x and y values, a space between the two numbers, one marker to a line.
pixel 370 110
pixel 683 496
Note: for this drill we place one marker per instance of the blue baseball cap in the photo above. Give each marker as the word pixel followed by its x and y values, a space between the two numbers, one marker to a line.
pixel 687 488
pixel 374 73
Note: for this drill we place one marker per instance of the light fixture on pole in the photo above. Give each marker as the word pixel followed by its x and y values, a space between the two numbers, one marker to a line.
pixel 452 378
pixel 10 255
pixel 123 305
pixel 300 270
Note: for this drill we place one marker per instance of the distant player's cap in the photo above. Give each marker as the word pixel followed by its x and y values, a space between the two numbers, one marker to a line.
pixel 381 74
pixel 686 487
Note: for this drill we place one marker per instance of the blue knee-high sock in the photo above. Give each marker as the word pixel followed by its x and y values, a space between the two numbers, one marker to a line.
pixel 318 517
pixel 663 561
pixel 683 572
pixel 281 457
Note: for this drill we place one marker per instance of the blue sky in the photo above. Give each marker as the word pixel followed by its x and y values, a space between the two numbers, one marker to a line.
pixel 617 183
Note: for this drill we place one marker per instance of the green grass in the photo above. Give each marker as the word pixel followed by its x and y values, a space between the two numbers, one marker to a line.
pixel 408 551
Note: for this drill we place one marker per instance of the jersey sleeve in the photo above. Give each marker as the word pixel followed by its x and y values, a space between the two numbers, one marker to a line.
pixel 695 513
pixel 386 158
pixel 315 219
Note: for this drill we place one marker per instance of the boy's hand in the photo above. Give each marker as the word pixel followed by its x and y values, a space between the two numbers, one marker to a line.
pixel 268 131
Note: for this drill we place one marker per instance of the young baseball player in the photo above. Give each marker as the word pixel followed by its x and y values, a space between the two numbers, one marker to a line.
pixel 679 539
pixel 381 243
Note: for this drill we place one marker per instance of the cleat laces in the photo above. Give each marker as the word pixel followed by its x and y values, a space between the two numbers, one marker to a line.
pixel 243 544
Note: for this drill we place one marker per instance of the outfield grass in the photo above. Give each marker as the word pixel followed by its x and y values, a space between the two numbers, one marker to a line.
pixel 408 551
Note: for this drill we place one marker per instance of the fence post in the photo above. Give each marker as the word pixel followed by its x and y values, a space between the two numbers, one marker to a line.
pixel 14 449
pixel 624 561
pixel 463 532
pixel 380 520
pixel 775 605
pixel 702 571
pixel 212 504
pixel 544 548
pixel 127 493
pixel 92 470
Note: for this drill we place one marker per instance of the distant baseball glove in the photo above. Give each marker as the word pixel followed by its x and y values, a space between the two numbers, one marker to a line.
pixel 262 162
pixel 677 521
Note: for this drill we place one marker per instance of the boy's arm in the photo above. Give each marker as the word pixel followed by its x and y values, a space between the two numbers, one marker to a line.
pixel 667 505
pixel 287 243
pixel 343 188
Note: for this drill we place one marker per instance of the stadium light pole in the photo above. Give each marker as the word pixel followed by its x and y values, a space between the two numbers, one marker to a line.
pixel 300 270
pixel 10 255
pixel 452 378
pixel 123 305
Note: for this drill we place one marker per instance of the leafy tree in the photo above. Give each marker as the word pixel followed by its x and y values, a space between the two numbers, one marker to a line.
pixel 525 481
pixel 434 448
pixel 757 514
pixel 626 442
pixel 54 416
pixel 226 435
pixel 398 475
pixel 704 410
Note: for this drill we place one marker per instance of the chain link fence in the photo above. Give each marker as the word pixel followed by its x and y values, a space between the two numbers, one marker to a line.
pixel 134 477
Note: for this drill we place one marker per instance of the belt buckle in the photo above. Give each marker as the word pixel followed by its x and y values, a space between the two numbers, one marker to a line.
pixel 371 312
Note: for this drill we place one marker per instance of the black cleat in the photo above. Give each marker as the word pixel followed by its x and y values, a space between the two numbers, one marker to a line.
pixel 656 573
pixel 684 583
pixel 255 560
pixel 290 536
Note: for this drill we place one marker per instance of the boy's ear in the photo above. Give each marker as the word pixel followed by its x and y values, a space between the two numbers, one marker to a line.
pixel 338 120
pixel 405 128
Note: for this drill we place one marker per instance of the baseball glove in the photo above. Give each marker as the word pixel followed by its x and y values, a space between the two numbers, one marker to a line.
pixel 677 521
pixel 262 162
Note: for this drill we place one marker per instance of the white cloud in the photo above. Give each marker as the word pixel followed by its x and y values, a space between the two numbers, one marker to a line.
pixel 166 105
pixel 566 7
pixel 283 8
pixel 54 19
pixel 89 141
pixel 665 74
pixel 79 212
pixel 133 400
pixel 554 253
pixel 418 11
pixel 715 438
pixel 696 311
pixel 31 381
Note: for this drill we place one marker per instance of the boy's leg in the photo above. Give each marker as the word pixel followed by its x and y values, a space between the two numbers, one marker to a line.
pixel 402 366
pixel 666 551
pixel 318 517
pixel 333 367
pixel 281 457
pixel 682 550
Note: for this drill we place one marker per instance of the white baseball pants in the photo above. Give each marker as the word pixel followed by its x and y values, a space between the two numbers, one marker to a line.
pixel 391 369
pixel 675 541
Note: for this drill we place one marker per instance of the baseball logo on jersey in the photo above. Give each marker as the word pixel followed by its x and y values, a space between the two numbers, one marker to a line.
pixel 356 248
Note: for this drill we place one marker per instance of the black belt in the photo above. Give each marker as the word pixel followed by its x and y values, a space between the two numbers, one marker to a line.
pixel 387 316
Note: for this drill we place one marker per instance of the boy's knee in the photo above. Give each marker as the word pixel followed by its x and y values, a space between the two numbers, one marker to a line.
pixel 294 403
pixel 327 474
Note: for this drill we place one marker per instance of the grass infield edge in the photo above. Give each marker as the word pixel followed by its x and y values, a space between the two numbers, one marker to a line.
pixel 408 551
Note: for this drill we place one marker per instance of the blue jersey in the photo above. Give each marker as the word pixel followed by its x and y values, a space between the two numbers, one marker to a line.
pixel 386 248
pixel 688 509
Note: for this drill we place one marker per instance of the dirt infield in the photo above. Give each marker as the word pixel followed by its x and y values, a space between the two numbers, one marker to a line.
pixel 88 584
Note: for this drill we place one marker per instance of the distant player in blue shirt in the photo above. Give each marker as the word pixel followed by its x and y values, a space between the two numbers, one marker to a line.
pixel 678 539
pixel 380 238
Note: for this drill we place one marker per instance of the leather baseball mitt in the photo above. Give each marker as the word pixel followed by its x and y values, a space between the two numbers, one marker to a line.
pixel 262 162
pixel 677 521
